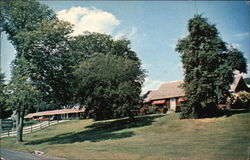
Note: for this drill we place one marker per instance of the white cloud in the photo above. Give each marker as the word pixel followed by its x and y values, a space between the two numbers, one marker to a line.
pixel 130 34
pixel 242 35
pixel 89 19
pixel 234 45
pixel 151 84
pixel 172 45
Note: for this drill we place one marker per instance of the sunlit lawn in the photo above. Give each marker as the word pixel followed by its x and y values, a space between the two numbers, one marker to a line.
pixel 152 137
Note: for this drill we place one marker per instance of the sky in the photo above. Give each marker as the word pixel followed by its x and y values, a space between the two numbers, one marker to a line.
pixel 153 27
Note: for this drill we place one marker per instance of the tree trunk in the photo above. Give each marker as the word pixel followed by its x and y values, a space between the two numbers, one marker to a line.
pixel 98 115
pixel 19 126
pixel 131 117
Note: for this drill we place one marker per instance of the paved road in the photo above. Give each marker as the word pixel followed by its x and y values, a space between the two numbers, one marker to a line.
pixel 14 155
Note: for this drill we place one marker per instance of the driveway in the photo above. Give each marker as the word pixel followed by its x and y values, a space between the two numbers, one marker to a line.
pixel 14 155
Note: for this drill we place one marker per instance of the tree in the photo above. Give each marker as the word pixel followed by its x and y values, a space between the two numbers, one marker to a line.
pixel 84 46
pixel 41 39
pixel 208 67
pixel 5 111
pixel 17 16
pixel 47 50
pixel 21 95
pixel 109 85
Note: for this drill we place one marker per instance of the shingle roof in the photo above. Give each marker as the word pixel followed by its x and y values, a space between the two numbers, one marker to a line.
pixel 167 90
pixel 173 89
pixel 55 112
pixel 237 81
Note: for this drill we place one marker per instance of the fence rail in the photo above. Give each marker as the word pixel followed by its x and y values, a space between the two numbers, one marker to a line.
pixel 30 129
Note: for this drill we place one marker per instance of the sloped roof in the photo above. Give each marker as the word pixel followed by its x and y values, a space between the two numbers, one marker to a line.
pixel 238 84
pixel 167 90
pixel 173 89
pixel 55 112
pixel 235 83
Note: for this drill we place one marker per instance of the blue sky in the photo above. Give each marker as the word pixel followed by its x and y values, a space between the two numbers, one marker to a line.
pixel 153 28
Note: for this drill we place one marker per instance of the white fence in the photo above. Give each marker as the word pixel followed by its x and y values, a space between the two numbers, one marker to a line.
pixel 31 128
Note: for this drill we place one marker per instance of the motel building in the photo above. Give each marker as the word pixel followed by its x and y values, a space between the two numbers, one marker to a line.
pixel 170 96
pixel 72 113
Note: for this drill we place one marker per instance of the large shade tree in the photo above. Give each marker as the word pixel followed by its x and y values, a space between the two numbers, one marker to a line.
pixel 47 50
pixel 109 85
pixel 22 96
pixel 208 67
pixel 40 40
pixel 83 49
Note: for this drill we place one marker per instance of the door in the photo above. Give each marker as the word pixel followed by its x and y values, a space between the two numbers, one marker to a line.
pixel 172 104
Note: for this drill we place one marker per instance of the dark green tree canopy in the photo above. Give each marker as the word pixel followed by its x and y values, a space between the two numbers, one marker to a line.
pixel 25 21
pixel 47 50
pixel 84 46
pixel 208 66
pixel 18 16
pixel 109 84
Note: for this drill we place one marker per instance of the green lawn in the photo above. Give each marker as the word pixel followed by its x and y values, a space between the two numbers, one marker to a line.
pixel 152 137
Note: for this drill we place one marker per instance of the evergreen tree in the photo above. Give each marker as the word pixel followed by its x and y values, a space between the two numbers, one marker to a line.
pixel 208 67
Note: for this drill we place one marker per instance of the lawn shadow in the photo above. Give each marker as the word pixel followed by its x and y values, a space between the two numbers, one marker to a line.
pixel 230 112
pixel 100 131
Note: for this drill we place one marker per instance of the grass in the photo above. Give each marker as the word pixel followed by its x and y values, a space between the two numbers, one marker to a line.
pixel 151 137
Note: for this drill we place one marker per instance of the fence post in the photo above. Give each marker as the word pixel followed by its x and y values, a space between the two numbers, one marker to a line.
pixel 49 123
pixel 8 133
pixel 31 128
pixel 40 125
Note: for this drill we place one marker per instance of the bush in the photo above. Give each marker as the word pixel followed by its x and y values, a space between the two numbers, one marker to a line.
pixel 240 99
pixel 165 110
pixel 178 109
pixel 152 109
pixel 186 111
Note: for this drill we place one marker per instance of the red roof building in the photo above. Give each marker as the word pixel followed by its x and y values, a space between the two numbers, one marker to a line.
pixel 62 113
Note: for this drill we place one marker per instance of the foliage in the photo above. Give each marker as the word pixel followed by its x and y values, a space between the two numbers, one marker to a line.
pixel 87 45
pixel 89 49
pixel 208 66
pixel 52 56
pixel 18 16
pixel 21 95
pixel 41 39
pixel 5 111
pixel 108 85
pixel 24 22
pixel 240 99
pixel 50 69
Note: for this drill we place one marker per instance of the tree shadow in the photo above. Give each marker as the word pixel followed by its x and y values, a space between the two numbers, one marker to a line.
pixel 100 131
pixel 230 112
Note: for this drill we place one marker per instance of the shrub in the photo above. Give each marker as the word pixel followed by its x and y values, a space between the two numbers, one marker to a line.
pixel 240 99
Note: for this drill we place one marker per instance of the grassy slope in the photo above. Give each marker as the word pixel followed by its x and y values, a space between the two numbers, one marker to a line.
pixel 152 137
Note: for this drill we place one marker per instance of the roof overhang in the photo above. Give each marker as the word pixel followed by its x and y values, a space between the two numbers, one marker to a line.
pixel 158 102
